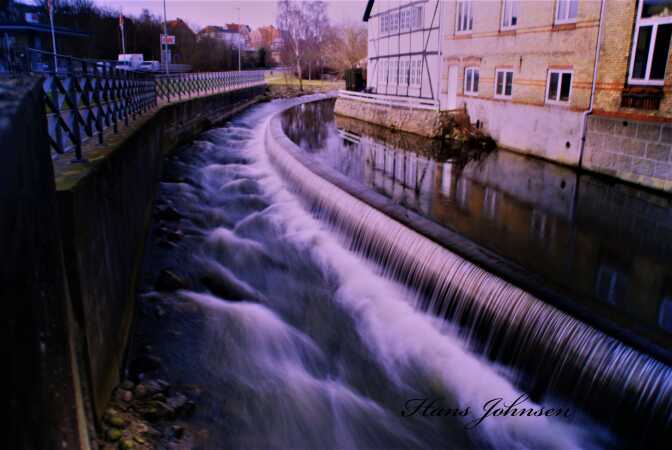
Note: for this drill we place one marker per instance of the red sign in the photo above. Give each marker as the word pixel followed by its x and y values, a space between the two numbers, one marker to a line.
pixel 167 39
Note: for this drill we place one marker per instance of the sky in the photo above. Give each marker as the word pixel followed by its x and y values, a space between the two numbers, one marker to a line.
pixel 255 13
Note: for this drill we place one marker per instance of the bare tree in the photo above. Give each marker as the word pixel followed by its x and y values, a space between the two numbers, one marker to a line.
pixel 317 24
pixel 347 46
pixel 291 23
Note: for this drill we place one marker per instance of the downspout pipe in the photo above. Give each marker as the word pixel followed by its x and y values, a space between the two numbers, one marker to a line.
pixel 584 116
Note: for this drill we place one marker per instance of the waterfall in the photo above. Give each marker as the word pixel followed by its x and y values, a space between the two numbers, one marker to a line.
pixel 550 350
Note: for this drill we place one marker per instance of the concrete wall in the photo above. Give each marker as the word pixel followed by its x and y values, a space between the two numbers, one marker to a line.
pixel 550 132
pixel 639 152
pixel 43 392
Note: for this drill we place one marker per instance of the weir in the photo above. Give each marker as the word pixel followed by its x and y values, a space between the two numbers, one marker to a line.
pixel 551 350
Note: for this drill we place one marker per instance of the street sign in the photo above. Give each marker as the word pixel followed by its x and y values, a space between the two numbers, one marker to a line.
pixel 167 39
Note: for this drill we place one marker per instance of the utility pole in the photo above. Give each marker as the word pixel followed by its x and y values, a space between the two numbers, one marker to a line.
pixel 123 40
pixel 50 5
pixel 240 35
pixel 165 38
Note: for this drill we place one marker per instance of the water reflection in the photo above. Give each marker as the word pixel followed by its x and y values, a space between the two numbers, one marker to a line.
pixel 608 243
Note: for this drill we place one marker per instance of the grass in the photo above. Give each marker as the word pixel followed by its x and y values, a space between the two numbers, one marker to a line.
pixel 291 81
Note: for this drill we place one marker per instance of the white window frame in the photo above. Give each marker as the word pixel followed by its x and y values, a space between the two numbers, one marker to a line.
pixel 503 94
pixel 565 19
pixel 464 6
pixel 469 89
pixel 414 79
pixel 383 72
pixel 512 10
pixel 394 73
pixel 419 17
pixel 418 73
pixel 654 22
pixel 403 71
pixel 560 72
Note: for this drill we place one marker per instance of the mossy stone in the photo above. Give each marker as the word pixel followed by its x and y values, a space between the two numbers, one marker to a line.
pixel 113 434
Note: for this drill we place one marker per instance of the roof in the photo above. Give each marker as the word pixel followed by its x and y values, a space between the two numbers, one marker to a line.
pixel 213 29
pixel 367 11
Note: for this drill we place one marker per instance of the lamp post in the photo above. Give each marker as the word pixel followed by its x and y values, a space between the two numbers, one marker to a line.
pixel 240 35
pixel 50 5
pixel 165 38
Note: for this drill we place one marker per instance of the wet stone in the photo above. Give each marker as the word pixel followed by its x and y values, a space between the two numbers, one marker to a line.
pixel 169 281
pixel 144 364
pixel 113 434
pixel 167 213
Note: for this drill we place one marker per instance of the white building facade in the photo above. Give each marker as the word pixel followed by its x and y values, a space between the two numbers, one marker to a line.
pixel 404 49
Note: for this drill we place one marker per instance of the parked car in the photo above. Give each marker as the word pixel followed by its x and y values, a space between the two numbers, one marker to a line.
pixel 149 66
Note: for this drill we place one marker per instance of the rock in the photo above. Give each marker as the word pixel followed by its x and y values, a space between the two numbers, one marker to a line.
pixel 143 364
pixel 167 213
pixel 115 421
pixel 165 243
pixel 154 410
pixel 177 431
pixel 174 235
pixel 177 402
pixel 188 408
pixel 122 395
pixel 169 281
pixel 126 444
pixel 113 434
pixel 141 391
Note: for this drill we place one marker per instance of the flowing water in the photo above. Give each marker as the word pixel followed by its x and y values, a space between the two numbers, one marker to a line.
pixel 290 340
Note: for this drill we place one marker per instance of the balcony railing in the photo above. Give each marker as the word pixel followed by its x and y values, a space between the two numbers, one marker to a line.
pixel 390 100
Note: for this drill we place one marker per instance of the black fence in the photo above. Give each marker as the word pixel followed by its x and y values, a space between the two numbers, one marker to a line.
pixel 85 99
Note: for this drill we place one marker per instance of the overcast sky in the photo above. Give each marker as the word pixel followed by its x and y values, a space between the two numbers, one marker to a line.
pixel 218 12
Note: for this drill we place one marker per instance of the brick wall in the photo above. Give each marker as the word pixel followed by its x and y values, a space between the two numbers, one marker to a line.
pixel 535 45
pixel 615 54
pixel 640 152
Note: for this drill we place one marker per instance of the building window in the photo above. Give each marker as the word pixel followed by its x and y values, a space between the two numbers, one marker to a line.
pixel 418 18
pixel 510 14
pixel 395 22
pixel 465 19
pixel 405 19
pixel 394 74
pixel 471 76
pixel 504 83
pixel 651 43
pixel 565 11
pixel 558 86
pixel 404 72
pixel 383 72
pixel 416 70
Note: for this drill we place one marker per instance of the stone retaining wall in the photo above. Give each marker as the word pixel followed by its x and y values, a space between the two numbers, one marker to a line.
pixel 638 152
pixel 424 122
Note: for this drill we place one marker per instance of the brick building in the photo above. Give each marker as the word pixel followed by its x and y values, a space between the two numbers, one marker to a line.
pixel 581 82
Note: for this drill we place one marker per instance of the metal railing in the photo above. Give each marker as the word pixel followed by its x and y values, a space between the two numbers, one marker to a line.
pixel 390 100
pixel 83 98
pixel 86 98
pixel 188 85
